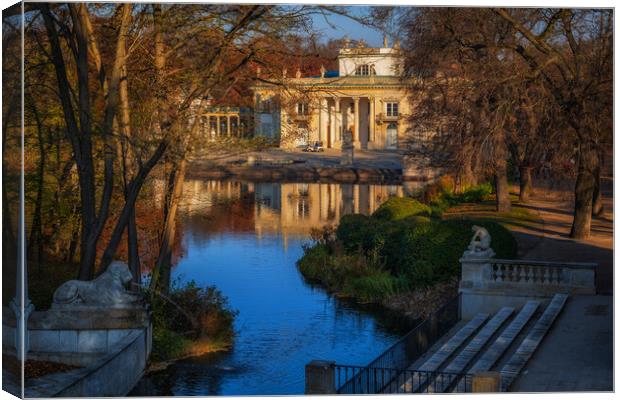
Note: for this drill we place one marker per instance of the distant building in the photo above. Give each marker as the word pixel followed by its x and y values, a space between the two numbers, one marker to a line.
pixel 366 95
pixel 219 122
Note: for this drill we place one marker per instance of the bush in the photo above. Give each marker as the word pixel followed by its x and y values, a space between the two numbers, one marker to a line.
pixel 477 194
pixel 445 200
pixel 186 314
pixel 407 253
pixel 397 208
pixel 357 231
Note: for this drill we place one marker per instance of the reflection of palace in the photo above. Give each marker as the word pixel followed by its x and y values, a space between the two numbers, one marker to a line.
pixel 295 208
pixel 287 208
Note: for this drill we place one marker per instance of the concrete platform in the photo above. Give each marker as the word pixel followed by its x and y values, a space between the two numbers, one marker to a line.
pixel 577 353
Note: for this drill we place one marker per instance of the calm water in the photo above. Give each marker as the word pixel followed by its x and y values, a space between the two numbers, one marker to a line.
pixel 245 239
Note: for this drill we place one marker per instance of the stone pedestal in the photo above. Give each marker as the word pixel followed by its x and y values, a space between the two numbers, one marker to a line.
pixel 486 382
pixel 347 157
pixel 347 149
pixel 320 377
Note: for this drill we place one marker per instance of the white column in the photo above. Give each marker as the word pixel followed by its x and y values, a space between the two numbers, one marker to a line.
pixel 332 123
pixel 323 121
pixel 338 119
pixel 371 121
pixel 356 122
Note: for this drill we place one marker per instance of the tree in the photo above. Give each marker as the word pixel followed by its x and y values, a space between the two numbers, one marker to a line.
pixel 572 51
pixel 562 55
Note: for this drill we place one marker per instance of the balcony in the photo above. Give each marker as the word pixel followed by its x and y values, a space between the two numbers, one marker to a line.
pixel 383 117
pixel 301 117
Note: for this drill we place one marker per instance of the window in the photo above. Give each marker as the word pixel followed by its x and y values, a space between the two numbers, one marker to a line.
pixel 392 110
pixel 363 70
pixel 302 108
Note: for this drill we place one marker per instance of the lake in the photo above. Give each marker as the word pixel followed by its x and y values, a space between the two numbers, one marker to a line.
pixel 245 238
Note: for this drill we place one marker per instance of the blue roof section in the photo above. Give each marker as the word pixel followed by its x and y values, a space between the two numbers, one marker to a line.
pixel 328 74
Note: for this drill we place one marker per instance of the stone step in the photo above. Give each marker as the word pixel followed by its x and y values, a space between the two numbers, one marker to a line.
pixel 531 342
pixel 441 383
pixel 414 382
pixel 490 357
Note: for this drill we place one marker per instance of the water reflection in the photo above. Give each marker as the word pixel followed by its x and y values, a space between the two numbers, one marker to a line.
pixel 288 208
pixel 245 238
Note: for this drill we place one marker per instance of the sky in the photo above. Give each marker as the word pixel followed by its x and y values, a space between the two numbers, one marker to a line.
pixel 346 26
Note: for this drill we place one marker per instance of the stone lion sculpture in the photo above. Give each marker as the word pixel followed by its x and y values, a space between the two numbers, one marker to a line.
pixel 108 289
pixel 481 241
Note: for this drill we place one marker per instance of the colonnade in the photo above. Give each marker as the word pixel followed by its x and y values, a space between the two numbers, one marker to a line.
pixel 217 125
pixel 335 117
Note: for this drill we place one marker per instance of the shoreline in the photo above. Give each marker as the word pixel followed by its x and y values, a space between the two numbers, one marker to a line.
pixel 295 173
pixel 412 305
pixel 196 349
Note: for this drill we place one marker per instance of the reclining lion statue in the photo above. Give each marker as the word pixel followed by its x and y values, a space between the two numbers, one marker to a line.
pixel 108 289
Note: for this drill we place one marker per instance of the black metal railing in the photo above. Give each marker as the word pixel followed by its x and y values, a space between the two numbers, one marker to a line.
pixel 417 341
pixel 407 350
pixel 366 380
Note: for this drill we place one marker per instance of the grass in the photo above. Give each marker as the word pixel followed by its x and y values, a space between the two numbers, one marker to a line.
pixel 518 216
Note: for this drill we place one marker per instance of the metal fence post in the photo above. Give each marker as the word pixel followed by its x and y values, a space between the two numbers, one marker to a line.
pixel 320 377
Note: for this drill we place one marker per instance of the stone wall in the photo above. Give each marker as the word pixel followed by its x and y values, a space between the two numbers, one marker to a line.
pixel 113 375
pixel 111 345
pixel 489 284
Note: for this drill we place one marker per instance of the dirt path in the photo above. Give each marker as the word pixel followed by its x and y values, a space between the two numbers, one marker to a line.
pixel 549 241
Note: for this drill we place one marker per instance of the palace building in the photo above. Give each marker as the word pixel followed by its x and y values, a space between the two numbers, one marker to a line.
pixel 367 95
pixel 226 121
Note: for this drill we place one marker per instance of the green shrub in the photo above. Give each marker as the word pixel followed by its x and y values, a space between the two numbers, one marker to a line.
pixel 188 313
pixel 414 253
pixel 357 231
pixel 168 344
pixel 372 287
pixel 502 241
pixel 370 258
pixel 401 207
pixel 477 194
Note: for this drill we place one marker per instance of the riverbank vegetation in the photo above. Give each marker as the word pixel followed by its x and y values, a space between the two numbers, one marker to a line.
pixel 401 247
pixel 189 321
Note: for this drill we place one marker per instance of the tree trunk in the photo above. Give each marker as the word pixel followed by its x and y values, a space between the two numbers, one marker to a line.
pixel 588 162
pixel 525 184
pixel 36 236
pixel 502 192
pixel 597 197
pixel 467 178
pixel 132 248
pixel 160 279
pixel 132 195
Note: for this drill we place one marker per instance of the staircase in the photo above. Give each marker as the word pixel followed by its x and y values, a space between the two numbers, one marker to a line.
pixel 503 343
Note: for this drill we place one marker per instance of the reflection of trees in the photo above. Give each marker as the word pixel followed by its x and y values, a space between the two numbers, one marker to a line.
pixel 199 376
pixel 218 206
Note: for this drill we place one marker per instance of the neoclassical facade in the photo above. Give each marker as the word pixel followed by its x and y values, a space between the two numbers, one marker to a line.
pixel 366 95
pixel 226 121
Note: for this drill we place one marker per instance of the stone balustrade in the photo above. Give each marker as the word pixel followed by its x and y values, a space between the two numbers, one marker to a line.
pixel 488 283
